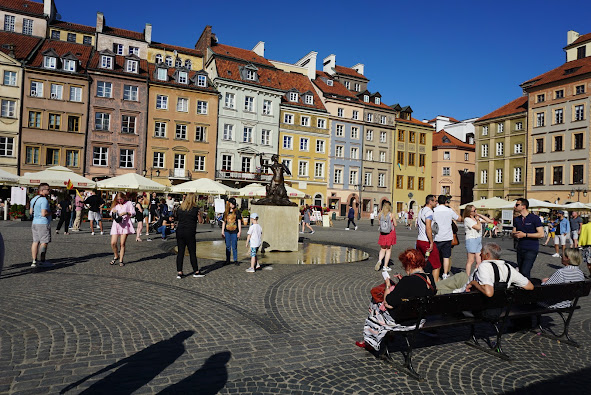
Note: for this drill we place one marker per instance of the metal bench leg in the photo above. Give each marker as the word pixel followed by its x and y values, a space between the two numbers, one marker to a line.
pixel 408 358
pixel 563 337
pixel 492 349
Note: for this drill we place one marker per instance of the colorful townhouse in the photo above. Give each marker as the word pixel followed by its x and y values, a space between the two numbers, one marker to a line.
pixel 175 56
pixel 27 17
pixel 72 32
pixel 55 107
pixel 14 50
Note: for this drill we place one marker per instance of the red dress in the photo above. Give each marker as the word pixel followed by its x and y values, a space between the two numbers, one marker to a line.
pixel 387 240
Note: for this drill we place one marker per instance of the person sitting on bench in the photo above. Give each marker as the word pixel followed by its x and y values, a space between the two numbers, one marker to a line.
pixel 483 278
pixel 570 273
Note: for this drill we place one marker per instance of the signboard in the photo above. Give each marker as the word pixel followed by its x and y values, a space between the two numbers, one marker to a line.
pixel 219 205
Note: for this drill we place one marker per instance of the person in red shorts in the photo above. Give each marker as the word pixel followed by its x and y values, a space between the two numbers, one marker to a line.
pixel 425 237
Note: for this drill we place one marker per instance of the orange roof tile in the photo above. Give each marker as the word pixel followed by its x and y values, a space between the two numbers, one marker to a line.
pixel 115 31
pixel 580 40
pixel 452 119
pixel 568 70
pixel 172 82
pixel 337 88
pixel 450 142
pixel 517 106
pixel 80 51
pixel 239 53
pixel 119 66
pixel 168 47
pixel 23 44
pixel 73 26
pixel 23 7
pixel 349 71
pixel 302 84
pixel 414 121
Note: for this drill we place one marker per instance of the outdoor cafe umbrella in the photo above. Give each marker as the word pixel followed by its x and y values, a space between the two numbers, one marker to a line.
pixel 57 177
pixel 491 203
pixel 535 203
pixel 8 178
pixel 261 191
pixel 204 186
pixel 130 182
pixel 577 206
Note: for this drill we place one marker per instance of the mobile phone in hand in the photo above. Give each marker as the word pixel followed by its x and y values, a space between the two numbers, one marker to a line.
pixel 385 275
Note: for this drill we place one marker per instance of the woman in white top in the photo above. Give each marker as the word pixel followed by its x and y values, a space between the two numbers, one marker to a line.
pixel 473 224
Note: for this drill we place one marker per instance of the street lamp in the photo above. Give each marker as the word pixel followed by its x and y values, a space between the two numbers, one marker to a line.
pixel 578 191
pixel 157 172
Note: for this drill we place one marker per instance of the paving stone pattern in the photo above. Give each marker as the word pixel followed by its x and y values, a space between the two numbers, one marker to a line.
pixel 86 326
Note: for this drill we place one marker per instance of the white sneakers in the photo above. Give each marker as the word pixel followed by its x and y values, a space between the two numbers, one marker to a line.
pixel 556 255
pixel 444 276
pixel 250 270
pixel 387 269
pixel 355 227
pixel 346 228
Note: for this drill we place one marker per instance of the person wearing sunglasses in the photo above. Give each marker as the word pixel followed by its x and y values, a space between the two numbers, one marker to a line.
pixel 527 229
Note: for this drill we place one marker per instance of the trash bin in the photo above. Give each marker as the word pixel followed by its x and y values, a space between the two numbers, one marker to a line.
pixel 334 215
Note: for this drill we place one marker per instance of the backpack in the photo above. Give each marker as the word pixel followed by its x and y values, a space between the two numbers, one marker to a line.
pixel 494 314
pixel 434 226
pixel 385 224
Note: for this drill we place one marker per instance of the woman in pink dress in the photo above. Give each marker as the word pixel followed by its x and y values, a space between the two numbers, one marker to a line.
pixel 122 211
pixel 386 240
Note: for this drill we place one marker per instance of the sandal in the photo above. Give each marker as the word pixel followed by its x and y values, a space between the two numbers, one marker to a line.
pixel 138 239
pixel 121 264
pixel 113 261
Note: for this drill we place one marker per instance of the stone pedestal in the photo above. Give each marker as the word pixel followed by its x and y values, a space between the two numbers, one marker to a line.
pixel 280 226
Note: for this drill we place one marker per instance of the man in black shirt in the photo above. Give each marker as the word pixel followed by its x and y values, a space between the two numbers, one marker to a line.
pixel 95 203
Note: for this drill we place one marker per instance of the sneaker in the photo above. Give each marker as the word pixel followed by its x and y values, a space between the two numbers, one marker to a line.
pixel 378 266
pixel 250 270
pixel 236 263
pixel 148 239
pixel 102 233
pixel 57 232
pixel 346 228
pixel 198 275
pixel 444 276
pixel 34 264
pixel 178 276
pixel 45 264
pixel 387 269
pixel 301 232
pixel 92 233
pixel 313 232
pixel 356 228
pixel 557 255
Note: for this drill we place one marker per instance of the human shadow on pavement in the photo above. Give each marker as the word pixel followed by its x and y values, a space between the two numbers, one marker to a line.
pixel 211 377
pixel 160 255
pixel 58 263
pixel 137 370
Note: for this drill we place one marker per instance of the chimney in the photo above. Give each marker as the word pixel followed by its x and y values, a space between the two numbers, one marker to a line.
pixel 329 63
pixel 259 49
pixel 148 33
pixel 204 40
pixel 100 22
pixel 359 68
pixel 309 62
pixel 49 9
pixel 571 36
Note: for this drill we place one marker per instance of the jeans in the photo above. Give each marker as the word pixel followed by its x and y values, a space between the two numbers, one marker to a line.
pixel 350 220
pixel 186 240
pixel 65 220
pixel 525 261
pixel 72 216
pixel 163 230
pixel 231 244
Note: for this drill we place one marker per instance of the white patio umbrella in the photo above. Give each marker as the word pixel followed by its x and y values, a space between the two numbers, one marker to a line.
pixel 491 203
pixel 261 191
pixel 535 203
pixel 577 206
pixel 8 178
pixel 56 176
pixel 204 186
pixel 130 182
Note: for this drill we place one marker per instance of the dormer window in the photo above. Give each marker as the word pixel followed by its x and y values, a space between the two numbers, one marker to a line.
pixel 309 99
pixel 162 74
pixel 293 96
pixel 106 62
pixel 182 77
pixel 202 81
pixel 69 65
pixel 132 66
pixel 134 51
pixel 251 75
pixel 366 98
pixel 188 64
pixel 118 49
pixel 49 62
pixel 158 59
pixel 378 100
pixel 178 63
pixel 169 61
pixel 329 82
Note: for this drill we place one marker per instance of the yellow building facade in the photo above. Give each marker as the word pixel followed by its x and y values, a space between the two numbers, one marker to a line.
pixel 72 32
pixel 174 56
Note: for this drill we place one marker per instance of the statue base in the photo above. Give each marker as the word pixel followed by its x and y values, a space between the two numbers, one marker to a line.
pixel 280 227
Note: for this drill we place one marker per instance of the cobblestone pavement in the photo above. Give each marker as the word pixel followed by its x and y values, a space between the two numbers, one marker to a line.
pixel 86 326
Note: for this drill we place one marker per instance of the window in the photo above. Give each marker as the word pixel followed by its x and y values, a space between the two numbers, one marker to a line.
pixel 484 177
pixel 199 163
pixel 32 155
pixel 249 103
pixel 578 174
pixel 10 78
pixel 518 148
pixel 104 89
pixel 399 182
pixel 410 182
pixel 320 146
pixel 102 121
pixel 557 175
pixel 558 116
pixel 540 119
pixel 288 142
pixel 338 176
pixel 106 62
pixel 557 143
pixel 421 183
pixel 340 112
pixel 162 102
pixel 357 88
pixel 72 158
pixel 118 49
pixel 228 132
pixel 353 177
pixel 319 170
pixel 422 138
pixel 293 96
pixel 305 121
pixel 411 158
pixel 539 176
pixel 446 171
pixel 369 117
pixel 200 132
pixel 400 158
pixel 382 156
pixel 369 135
pixel 446 155
pixel 579 89
pixel 309 99
pixel 267 107
pixel 265 137
pixel 411 136
pixel 581 52
pixel 498 176
pixel 541 98
pixel 500 127
pixel 303 168
pixel 401 135
pixel 55 35
pixel 304 144
pixel 445 190
pixel 517 174
pixel 160 129
pixel 381 180
pixel 178 63
pixel 100 156
pixel 201 107
pixel 8 108
pixel 8 23
pixel 34 119
pixel 578 141
pixel 162 74
pixel 69 65
pixel 354 132
pixel 247 135
pixel 355 114
pixel 127 124
pixel 354 153
pixel 126 158
pixel 73 123
pixel 348 85
pixel 226 162
pixel 55 121
pixel 158 160
pixel 251 75
pixel 36 88
pixel 130 93
pixel 134 51
pixel 288 118
pixel 57 91
pixel 201 80
pixel 579 113
pixel 230 100
pixel 484 150
pixel 131 66
pixel 168 61
pixel 466 157
pixel 6 146
pixel 183 79
pixel 367 179
pixel 539 146
pixel 71 37
pixel 339 149
pixel 87 40
pixel 52 156
pixel 246 164
pixel 519 126
pixel 500 149
pixel 485 130
pixel 181 131
pixel 383 120
pixel 340 130
pixel 422 160
pixel 383 137
pixel 369 155
pixel 559 94
pixel 321 123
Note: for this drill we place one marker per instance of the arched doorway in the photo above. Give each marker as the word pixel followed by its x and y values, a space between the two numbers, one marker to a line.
pixel 412 205
pixel 318 201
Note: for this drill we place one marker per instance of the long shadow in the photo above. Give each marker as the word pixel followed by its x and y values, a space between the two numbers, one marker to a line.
pixel 571 383
pixel 211 377
pixel 160 255
pixel 136 370
pixel 59 263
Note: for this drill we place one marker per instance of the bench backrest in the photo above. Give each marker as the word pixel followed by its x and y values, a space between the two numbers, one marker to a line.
pixel 567 291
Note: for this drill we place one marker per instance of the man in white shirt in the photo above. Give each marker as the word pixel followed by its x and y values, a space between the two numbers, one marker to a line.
pixel 425 237
pixel 443 215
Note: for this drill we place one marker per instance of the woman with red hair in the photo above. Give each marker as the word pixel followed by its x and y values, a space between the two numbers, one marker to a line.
pixel 382 315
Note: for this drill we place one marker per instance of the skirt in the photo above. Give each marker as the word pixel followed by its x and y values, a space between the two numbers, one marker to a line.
pixel 474 246
pixel 387 240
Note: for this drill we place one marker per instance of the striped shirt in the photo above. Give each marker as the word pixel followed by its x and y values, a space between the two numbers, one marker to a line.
pixel 567 274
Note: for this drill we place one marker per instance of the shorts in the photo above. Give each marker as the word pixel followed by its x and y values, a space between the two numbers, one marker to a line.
pixel 575 235
pixel 41 233
pixel 474 246
pixel 444 248
pixel 94 216
pixel 433 262
pixel 560 239
pixel 552 234
pixel 253 251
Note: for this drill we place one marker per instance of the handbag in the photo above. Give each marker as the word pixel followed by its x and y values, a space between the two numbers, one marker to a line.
pixel 116 217
pixel 454 228
pixel 455 240
pixel 377 293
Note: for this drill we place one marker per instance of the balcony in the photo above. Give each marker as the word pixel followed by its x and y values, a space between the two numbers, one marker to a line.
pixel 242 176
pixel 179 174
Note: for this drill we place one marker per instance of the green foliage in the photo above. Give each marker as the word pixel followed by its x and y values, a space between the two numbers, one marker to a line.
pixel 211 213
pixel 17 211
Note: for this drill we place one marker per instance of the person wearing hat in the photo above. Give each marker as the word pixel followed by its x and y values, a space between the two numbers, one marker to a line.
pixel 231 229
pixel 255 237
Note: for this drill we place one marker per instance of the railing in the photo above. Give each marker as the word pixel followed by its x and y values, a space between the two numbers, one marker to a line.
pixel 241 175
pixel 180 174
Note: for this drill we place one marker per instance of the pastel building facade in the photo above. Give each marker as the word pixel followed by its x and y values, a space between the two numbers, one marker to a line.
pixel 26 17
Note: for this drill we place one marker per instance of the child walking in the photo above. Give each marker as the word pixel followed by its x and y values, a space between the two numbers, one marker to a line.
pixel 255 234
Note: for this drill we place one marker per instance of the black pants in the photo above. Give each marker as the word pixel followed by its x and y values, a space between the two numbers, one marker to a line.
pixel 186 240
pixel 350 220
pixel 64 219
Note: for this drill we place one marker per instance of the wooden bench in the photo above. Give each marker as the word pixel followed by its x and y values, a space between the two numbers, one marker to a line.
pixel 442 311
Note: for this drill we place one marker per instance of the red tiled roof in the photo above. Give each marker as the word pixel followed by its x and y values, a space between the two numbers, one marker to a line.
pixel 73 26
pixel 568 70
pixel 115 31
pixel 515 107
pixel 453 141
pixel 23 6
pixel 302 84
pixel 349 71
pixel 239 53
pixel 580 40
pixel 168 47
pixel 172 82
pixel 82 52
pixel 452 119
pixel 414 121
pixel 119 67
pixel 23 44
pixel 336 89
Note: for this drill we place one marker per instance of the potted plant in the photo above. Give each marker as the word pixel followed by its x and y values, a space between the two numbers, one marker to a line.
pixel 245 216
pixel 17 211
pixel 211 216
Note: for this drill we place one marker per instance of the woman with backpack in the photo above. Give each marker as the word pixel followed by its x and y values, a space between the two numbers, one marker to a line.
pixel 231 227
pixel 387 228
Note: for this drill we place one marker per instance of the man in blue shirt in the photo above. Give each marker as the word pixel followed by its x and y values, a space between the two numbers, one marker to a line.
pixel 41 227
pixel 527 229
pixel 351 218
pixel 562 234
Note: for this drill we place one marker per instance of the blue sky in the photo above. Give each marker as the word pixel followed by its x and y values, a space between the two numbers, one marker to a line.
pixel 458 58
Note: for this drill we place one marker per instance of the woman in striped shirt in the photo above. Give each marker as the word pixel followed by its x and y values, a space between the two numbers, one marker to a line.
pixel 570 273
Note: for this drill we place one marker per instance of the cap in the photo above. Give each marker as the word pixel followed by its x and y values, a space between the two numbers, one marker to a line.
pixel 254 216
pixel 232 200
